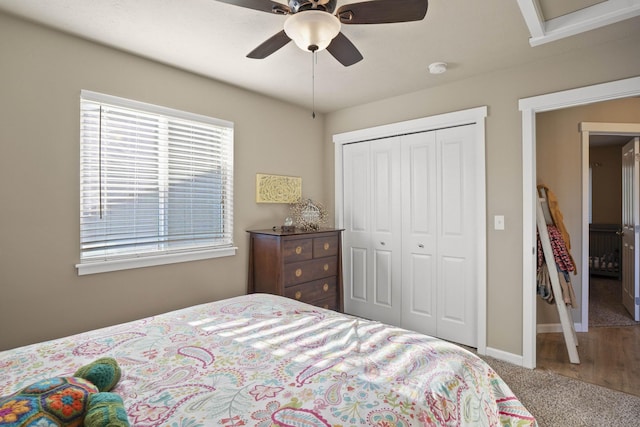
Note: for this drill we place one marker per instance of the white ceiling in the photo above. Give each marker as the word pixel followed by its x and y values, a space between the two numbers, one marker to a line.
pixel 212 39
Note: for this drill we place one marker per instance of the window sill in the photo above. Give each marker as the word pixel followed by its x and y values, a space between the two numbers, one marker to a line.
pixel 94 267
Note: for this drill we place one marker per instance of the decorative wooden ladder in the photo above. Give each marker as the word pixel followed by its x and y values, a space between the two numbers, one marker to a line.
pixel 543 218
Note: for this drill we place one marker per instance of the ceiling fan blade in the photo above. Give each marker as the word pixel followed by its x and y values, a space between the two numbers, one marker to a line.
pixel 261 5
pixel 269 46
pixel 344 51
pixel 383 11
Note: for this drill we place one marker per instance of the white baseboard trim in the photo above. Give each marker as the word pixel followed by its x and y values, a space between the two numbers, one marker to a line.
pixel 546 328
pixel 516 359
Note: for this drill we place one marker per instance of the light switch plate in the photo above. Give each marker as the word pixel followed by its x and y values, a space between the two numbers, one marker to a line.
pixel 498 222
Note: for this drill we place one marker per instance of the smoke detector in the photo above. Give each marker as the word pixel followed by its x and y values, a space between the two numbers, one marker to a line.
pixel 438 67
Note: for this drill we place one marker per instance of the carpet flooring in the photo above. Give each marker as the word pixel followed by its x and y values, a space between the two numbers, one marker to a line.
pixel 559 401
pixel 605 304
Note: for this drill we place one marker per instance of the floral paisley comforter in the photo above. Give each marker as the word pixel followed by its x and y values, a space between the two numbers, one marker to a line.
pixel 263 360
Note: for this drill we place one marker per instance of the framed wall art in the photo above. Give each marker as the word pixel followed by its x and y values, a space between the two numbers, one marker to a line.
pixel 278 188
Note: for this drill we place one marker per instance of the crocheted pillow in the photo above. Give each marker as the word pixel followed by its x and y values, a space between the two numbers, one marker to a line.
pixel 69 401
pixel 50 402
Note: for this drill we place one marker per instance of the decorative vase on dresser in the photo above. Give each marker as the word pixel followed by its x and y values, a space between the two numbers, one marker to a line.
pixel 303 265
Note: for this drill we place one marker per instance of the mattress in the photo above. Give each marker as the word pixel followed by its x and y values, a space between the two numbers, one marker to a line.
pixel 264 360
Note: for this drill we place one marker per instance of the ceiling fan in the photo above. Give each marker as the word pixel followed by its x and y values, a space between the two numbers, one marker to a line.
pixel 313 26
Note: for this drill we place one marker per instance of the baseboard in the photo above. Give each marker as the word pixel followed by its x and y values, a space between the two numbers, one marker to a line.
pixel 515 359
pixel 546 328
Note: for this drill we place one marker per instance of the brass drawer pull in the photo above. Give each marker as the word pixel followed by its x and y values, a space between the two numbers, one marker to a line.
pixel 326 246
pixel 298 295
pixel 326 306
pixel 298 250
pixel 325 287
pixel 326 267
pixel 299 272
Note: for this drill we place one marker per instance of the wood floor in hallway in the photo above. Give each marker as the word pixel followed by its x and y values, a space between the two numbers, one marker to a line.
pixel 609 356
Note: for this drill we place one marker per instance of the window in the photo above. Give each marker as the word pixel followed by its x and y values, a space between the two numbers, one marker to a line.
pixel 156 185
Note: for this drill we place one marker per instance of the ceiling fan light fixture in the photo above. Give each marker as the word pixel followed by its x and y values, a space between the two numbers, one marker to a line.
pixel 312 30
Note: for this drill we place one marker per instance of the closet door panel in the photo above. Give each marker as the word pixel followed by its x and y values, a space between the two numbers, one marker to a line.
pixel 419 232
pixel 420 179
pixel 420 292
pixel 358 274
pixel 383 282
pixel 382 190
pixel 372 224
pixel 456 284
pixel 357 219
pixel 385 192
pixel 357 184
pixel 386 226
pixel 453 295
pixel 452 188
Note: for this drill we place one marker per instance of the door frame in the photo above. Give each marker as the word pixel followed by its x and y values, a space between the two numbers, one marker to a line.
pixel 475 116
pixel 529 107
pixel 586 130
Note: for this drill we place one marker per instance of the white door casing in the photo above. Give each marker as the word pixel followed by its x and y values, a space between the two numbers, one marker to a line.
pixel 631 228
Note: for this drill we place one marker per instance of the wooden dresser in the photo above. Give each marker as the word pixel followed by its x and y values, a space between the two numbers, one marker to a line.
pixel 303 265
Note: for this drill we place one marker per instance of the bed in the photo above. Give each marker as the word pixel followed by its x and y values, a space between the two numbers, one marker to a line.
pixel 264 360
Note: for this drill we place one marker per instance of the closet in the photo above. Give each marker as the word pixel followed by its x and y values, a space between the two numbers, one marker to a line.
pixel 410 210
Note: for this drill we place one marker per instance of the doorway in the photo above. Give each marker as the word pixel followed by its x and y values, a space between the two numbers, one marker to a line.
pixel 530 107
pixel 562 134
pixel 605 141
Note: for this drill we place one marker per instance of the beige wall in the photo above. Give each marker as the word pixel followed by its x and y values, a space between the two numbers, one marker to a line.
pixel 606 184
pixel 41 75
pixel 500 91
pixel 559 166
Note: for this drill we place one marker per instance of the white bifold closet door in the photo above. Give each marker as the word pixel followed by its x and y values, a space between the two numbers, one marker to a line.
pixel 409 237
pixel 372 263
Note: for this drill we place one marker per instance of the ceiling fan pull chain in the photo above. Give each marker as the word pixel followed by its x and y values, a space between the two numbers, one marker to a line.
pixel 314 59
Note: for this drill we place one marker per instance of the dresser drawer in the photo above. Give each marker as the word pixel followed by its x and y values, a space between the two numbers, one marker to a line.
pixel 300 272
pixel 325 246
pixel 313 292
pixel 297 250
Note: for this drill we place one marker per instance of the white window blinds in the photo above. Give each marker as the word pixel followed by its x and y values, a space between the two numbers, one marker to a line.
pixel 153 180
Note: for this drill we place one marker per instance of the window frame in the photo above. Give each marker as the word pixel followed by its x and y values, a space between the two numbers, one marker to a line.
pixel 92 266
